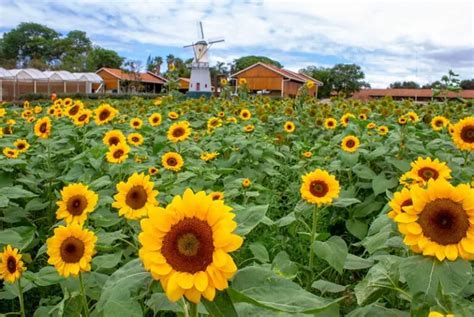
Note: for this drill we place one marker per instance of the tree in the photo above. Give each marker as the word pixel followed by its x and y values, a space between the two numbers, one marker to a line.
pixel 405 84
pixel 347 78
pixel 467 84
pixel 322 74
pixel 100 57
pixel 246 61
pixel 73 51
pixel 154 64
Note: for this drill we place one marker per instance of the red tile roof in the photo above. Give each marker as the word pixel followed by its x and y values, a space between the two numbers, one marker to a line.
pixel 147 77
pixel 408 93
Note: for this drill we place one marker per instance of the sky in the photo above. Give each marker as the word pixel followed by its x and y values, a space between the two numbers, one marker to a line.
pixel 397 40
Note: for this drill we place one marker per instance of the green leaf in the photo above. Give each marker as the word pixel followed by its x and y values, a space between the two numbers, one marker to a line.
pixel 283 266
pixel 354 262
pixel 363 171
pixel 260 252
pixel 379 151
pixel 221 306
pixel 249 217
pixel 101 182
pixel 357 228
pixel 107 261
pixel 380 184
pixel 47 276
pixel 327 287
pixel 18 237
pixel 344 202
pixel 16 192
pixel 376 310
pixel 424 274
pixel 333 251
pixel 3 201
pixel 262 287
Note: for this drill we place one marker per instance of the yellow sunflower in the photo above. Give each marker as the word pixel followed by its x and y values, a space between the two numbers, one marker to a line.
pixel 104 114
pixel 382 130
pixel 438 314
pixel 136 123
pixel 423 170
pixel 217 195
pixel 22 145
pixel 135 139
pixel 117 153
pixel 242 81
pixel 70 249
pixel 362 116
pixel 73 110
pixel 413 117
pixel 173 115
pixel 11 265
pixel 221 114
pixel 38 109
pixel 402 120
pixel 76 202
pixel 172 161
pixel 309 84
pixel 350 143
pixel 186 246
pixel 440 222
pixel 11 153
pixel 82 117
pixel 223 81
pixel 31 119
pixel 67 102
pixel 179 131
pixel 245 114
pixel 308 154
pixel 152 170
pixel 113 137
pixel 463 134
pixel 43 127
pixel 208 156
pixel 330 123
pixel 439 122
pixel 371 125
pixel 246 182
pixel 319 187
pixel 231 120
pixel 345 118
pixel 136 197
pixel 400 200
pixel 214 122
pixel 154 119
pixel 249 128
pixel 289 127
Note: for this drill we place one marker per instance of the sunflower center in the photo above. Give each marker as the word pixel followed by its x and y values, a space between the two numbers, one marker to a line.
pixel 82 117
pixel 318 188
pixel 43 127
pixel 172 161
pixel 114 140
pixel 118 154
pixel 406 203
pixel 76 205
pixel 155 120
pixel 72 250
pixel 467 134
pixel 21 146
pixel 11 264
pixel 135 139
pixel 136 197
pixel 427 172
pixel 438 123
pixel 74 110
pixel 178 132
pixel 135 123
pixel 188 246
pixel 330 123
pixel 350 143
pixel 444 221
pixel 104 114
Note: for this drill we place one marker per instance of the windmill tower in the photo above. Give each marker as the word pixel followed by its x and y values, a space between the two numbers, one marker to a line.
pixel 200 82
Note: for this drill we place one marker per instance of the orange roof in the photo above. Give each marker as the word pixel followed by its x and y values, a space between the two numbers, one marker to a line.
pixel 408 93
pixel 147 77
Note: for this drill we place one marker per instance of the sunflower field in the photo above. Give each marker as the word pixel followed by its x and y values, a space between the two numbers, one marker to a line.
pixel 236 207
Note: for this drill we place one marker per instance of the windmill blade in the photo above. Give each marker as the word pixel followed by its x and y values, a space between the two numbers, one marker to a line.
pixel 218 40
pixel 190 45
pixel 202 31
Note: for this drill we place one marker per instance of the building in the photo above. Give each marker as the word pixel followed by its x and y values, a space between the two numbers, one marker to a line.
pixel 274 81
pixel 118 81
pixel 414 94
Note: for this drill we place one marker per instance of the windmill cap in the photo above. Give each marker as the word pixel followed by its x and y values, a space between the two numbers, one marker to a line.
pixel 202 42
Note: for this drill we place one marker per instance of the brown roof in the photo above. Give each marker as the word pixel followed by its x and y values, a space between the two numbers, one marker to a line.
pixel 147 77
pixel 408 93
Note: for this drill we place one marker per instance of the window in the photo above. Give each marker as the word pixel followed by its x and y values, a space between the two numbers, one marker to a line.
pixel 198 86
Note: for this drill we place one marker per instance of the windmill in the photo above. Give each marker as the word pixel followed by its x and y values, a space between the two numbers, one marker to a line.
pixel 200 82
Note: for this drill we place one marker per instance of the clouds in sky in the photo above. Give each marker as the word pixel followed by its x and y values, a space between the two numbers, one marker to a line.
pixel 391 40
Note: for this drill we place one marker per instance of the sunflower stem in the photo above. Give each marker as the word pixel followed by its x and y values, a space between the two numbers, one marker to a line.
pixel 20 297
pixel 311 251
pixel 84 298
pixel 193 310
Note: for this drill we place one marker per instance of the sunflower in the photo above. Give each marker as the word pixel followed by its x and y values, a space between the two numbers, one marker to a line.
pixel 154 119
pixel 11 265
pixel 152 170
pixel 38 109
pixel 438 314
pixel 113 137
pixel 319 187
pixel 214 122
pixel 309 84
pixel 400 200
pixel 157 102
pixel 371 125
pixel 104 114
pixel 173 115
pixel 118 153
pixel 22 145
pixel 362 116
pixel 221 114
pixel 345 118
pixel 423 170
pixel 136 123
pixel 330 123
pixel 463 134
pixel 31 119
pixel 249 128
pixel 67 102
pixel 231 120
pixel 223 81
pixel 43 127
pixel 217 195
pixel 245 114
pixel 11 153
pixel 440 222
pixel 11 122
pixel 135 139
pixel 350 143
pixel 3 112
pixel 73 110
pixel 172 161
pixel 76 202
pixel 451 129
pixel 179 131
pixel 412 116
pixel 242 81
pixel 308 154
pixel 439 122
pixel 289 127
pixel 70 249
pixel 246 182
pixel 382 130
pixel 402 120
pixel 186 246
pixel 208 156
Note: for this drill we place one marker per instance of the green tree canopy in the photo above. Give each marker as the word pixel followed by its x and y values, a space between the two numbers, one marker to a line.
pixel 404 84
pixel 467 84
pixel 100 57
pixel 246 61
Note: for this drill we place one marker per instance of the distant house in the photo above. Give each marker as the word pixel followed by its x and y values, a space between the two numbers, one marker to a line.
pixel 271 80
pixel 415 94
pixel 117 80
pixel 183 84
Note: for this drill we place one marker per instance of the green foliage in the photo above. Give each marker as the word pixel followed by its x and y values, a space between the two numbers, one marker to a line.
pixel 246 61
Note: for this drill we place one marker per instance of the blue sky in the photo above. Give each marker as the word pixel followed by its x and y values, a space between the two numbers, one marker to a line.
pixel 392 40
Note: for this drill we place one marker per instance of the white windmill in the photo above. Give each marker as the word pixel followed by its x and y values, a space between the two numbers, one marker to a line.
pixel 200 82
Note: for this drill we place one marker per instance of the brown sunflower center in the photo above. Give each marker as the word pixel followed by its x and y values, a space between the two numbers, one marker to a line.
pixel 172 161
pixel 245 114
pixel 407 202
pixel 467 134
pixel 438 123
pixel 155 120
pixel 188 246
pixel 43 127
pixel 82 117
pixel 136 197
pixel 444 221
pixel 135 139
pixel 118 154
pixel 178 132
pixel 21 146
pixel 350 143
pixel 11 264
pixel 330 123
pixel 104 114
pixel 72 250
pixel 216 197
pixel 76 205
pixel 136 123
pixel 318 188
pixel 427 172
pixel 114 140
pixel 74 110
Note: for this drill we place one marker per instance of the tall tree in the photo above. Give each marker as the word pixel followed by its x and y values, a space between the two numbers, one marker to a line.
pixel 322 74
pixel 100 57
pixel 246 61
pixel 467 84
pixel 347 78
pixel 154 64
pixel 404 84
pixel 73 51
